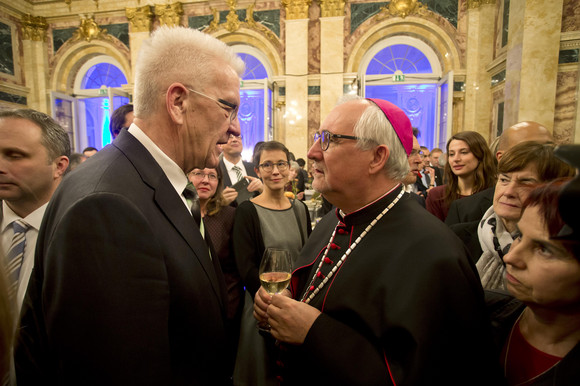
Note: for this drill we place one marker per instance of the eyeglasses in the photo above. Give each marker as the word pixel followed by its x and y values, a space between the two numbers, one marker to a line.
pixel 201 175
pixel 231 108
pixel 268 166
pixel 235 136
pixel 415 153
pixel 326 137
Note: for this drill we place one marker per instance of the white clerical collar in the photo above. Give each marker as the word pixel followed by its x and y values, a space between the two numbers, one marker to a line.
pixel 176 176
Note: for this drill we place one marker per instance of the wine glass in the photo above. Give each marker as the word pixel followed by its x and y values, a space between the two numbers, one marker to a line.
pixel 275 273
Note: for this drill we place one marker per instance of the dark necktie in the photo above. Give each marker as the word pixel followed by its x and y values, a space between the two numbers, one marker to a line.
pixel 191 194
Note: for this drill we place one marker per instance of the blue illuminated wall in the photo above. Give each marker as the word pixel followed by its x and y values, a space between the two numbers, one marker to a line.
pixel 419 101
pixel 252 105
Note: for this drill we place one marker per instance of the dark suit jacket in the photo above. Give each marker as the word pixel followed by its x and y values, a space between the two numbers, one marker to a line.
pixel 226 177
pixel 123 291
pixel 422 189
pixel 471 208
pixel 438 176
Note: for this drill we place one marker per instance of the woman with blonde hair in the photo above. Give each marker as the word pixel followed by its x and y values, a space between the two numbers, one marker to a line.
pixel 470 169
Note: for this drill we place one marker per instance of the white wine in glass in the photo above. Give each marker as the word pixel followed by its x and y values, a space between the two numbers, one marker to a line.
pixel 275 272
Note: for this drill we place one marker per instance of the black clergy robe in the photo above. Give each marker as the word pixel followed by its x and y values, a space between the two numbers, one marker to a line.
pixel 405 306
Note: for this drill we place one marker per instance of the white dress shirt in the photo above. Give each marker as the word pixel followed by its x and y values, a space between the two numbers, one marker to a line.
pixel 33 220
pixel 176 176
pixel 232 173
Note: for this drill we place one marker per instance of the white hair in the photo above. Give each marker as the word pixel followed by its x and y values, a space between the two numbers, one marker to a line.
pixel 178 54
pixel 374 128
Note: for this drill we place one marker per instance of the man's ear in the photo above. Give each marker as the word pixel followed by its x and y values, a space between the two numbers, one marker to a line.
pixel 177 101
pixel 60 166
pixel 380 156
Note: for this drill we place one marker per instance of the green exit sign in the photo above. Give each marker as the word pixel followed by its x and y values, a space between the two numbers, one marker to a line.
pixel 398 78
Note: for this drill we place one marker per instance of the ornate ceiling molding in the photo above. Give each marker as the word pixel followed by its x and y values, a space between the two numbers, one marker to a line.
pixel 90 30
pixel 402 9
pixel 169 14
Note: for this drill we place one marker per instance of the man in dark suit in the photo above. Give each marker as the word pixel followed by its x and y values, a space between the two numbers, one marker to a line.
pixel 125 291
pixel 234 168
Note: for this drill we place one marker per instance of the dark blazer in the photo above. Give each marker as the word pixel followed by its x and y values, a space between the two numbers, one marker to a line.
pixel 226 177
pixel 470 208
pixel 123 291
pixel 422 189
pixel 438 176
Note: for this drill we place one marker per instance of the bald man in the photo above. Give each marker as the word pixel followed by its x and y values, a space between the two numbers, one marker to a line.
pixel 520 132
pixel 472 208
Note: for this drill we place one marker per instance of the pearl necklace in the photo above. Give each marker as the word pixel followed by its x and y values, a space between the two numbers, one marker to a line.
pixel 346 254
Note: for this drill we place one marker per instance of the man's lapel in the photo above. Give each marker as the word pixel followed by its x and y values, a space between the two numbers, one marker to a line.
pixel 169 202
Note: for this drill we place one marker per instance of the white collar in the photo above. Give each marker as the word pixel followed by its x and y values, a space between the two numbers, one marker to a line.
pixel 33 219
pixel 176 176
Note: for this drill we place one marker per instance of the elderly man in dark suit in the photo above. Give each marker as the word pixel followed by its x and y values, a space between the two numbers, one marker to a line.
pixel 125 291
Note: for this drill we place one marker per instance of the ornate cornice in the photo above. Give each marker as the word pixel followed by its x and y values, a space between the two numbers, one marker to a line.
pixel 169 14
pixel 90 30
pixel 402 8
pixel 140 18
pixel 34 28
pixel 330 8
pixel 253 24
pixel 233 23
pixel 232 20
pixel 296 9
pixel 472 4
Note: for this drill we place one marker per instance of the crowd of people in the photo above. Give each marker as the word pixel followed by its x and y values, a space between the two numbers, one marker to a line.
pixel 137 264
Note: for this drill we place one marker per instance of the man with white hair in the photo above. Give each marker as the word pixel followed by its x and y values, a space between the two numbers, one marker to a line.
pixel 125 291
pixel 383 294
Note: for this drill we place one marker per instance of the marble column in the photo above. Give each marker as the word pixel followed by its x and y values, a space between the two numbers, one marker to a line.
pixel 34 55
pixel 480 44
pixel 532 61
pixel 296 115
pixel 140 20
pixel 331 54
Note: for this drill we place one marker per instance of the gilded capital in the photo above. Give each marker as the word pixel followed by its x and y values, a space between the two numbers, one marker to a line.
pixel 140 18
pixel 330 8
pixel 402 8
pixel 169 14
pixel 34 28
pixel 472 4
pixel 296 9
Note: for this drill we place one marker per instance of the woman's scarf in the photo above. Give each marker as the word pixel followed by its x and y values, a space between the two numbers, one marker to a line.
pixel 495 242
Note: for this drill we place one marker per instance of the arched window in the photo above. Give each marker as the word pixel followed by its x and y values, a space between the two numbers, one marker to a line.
pixel 399 57
pixel 103 74
pixel 406 72
pixel 96 80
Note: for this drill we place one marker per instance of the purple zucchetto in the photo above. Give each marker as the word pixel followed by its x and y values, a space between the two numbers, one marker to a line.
pixel 399 120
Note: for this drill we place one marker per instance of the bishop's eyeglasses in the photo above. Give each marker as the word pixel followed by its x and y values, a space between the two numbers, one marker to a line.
pixel 326 137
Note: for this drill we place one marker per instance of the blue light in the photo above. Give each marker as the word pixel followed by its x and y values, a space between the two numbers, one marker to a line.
pixel 106 134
